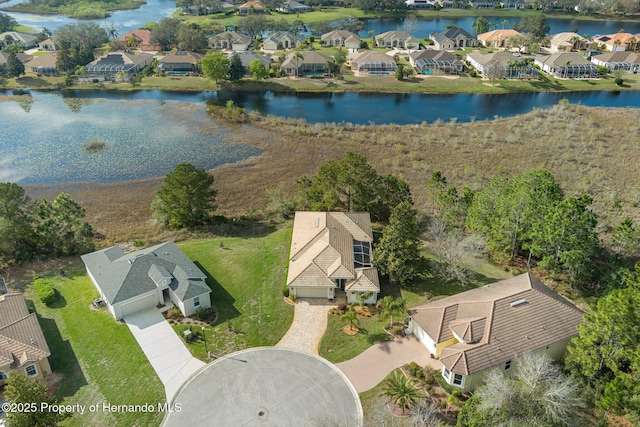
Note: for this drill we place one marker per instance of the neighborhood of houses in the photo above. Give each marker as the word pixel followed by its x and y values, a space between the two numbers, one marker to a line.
pixel 495 54
pixel 331 259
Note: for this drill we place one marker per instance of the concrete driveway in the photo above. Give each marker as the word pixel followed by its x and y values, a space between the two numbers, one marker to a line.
pixel 166 352
pixel 366 370
pixel 308 326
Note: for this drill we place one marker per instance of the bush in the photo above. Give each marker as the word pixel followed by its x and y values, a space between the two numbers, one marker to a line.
pixel 285 290
pixel 429 374
pixel 44 291
pixel 201 313
pixel 293 297
pixel 618 81
pixel 174 313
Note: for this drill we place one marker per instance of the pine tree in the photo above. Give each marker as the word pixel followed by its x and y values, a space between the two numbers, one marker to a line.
pixel 14 67
pixel 236 70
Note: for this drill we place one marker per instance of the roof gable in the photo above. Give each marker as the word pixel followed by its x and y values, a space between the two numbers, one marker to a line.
pixel 21 337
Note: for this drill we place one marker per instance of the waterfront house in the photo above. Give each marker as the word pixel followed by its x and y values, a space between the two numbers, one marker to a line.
pixel 453 38
pixel 430 61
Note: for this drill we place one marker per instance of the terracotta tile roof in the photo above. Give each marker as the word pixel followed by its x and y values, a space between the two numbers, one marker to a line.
pixel 21 337
pixel 322 250
pixel 520 315
pixel 143 37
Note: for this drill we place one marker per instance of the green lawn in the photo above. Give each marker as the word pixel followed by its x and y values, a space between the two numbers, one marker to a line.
pixel 99 359
pixel 246 275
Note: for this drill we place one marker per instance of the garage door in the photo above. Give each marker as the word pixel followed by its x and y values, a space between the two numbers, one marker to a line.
pixel 311 292
pixel 137 305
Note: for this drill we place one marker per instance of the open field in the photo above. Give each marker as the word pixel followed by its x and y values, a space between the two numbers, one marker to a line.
pixel 99 358
pixel 246 276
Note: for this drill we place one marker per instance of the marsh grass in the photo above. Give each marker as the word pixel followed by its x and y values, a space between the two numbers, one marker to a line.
pixel 587 149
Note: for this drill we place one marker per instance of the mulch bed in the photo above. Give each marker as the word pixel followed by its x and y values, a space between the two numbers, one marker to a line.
pixel 212 316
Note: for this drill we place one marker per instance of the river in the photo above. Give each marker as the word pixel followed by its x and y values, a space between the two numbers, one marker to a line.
pixel 147 133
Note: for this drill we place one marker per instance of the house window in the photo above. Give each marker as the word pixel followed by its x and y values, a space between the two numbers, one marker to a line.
pixel 507 364
pixel 196 302
pixel 446 373
pixel 31 370
pixel 3 376
pixel 457 379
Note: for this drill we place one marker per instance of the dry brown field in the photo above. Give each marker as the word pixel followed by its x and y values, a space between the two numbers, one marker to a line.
pixel 592 150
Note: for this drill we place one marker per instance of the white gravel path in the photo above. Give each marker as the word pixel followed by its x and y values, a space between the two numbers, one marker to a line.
pixel 308 326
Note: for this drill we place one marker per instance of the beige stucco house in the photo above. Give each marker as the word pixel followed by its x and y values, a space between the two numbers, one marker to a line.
pixel 489 327
pixel 497 38
pixel 332 251
pixel 135 281
pixel 23 348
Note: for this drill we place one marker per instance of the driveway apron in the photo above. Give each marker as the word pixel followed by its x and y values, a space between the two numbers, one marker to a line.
pixel 166 352
pixel 308 326
pixel 366 370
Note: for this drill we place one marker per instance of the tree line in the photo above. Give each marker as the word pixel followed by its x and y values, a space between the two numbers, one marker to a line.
pixel 39 229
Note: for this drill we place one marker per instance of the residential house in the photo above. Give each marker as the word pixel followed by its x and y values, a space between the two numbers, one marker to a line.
pixel 231 40
pixel 397 40
pixel 13 37
pixel 489 327
pixel 332 251
pixel 452 39
pixel 47 44
pixel 248 57
pixel 135 281
pixel 420 4
pixel 282 40
pixel 497 38
pixel 627 61
pixel 309 64
pixel 22 57
pixel 567 65
pixel 373 63
pixel 292 6
pixel 567 42
pixel 139 39
pixel 501 65
pixel 337 38
pixel 23 347
pixel 251 8
pixel 118 65
pixel 619 42
pixel 44 65
pixel 430 61
pixel 180 62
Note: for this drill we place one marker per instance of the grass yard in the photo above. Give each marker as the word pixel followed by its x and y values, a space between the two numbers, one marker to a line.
pixel 246 275
pixel 99 359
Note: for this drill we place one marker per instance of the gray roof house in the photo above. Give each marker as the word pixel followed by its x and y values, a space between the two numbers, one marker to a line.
pixel 44 64
pixel 332 251
pixel 625 60
pixel 488 327
pixel 396 39
pixel 374 63
pixel 179 62
pixel 248 57
pixel 312 64
pixel 339 38
pixel 568 65
pixel 282 40
pixel 231 40
pixel 13 37
pixel 131 282
pixel 22 57
pixel 292 6
pixel 452 39
pixel 430 61
pixel 501 65
pixel 110 65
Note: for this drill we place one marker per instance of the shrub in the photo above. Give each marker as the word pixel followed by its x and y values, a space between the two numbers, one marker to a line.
pixel 285 290
pixel 293 297
pixel 201 313
pixel 429 374
pixel 44 291
pixel 618 81
pixel 174 313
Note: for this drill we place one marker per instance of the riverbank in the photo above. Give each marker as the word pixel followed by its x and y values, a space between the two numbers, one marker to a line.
pixel 347 83
pixel 80 9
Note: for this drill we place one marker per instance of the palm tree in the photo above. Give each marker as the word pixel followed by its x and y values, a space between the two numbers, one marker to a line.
pixel 390 307
pixel 505 23
pixel 351 317
pixel 401 391
pixel 363 296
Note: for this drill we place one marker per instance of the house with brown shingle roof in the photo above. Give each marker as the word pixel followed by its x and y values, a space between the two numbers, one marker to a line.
pixel 180 62
pixel 337 38
pixel 332 251
pixel 488 327
pixel 23 348
pixel 44 65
